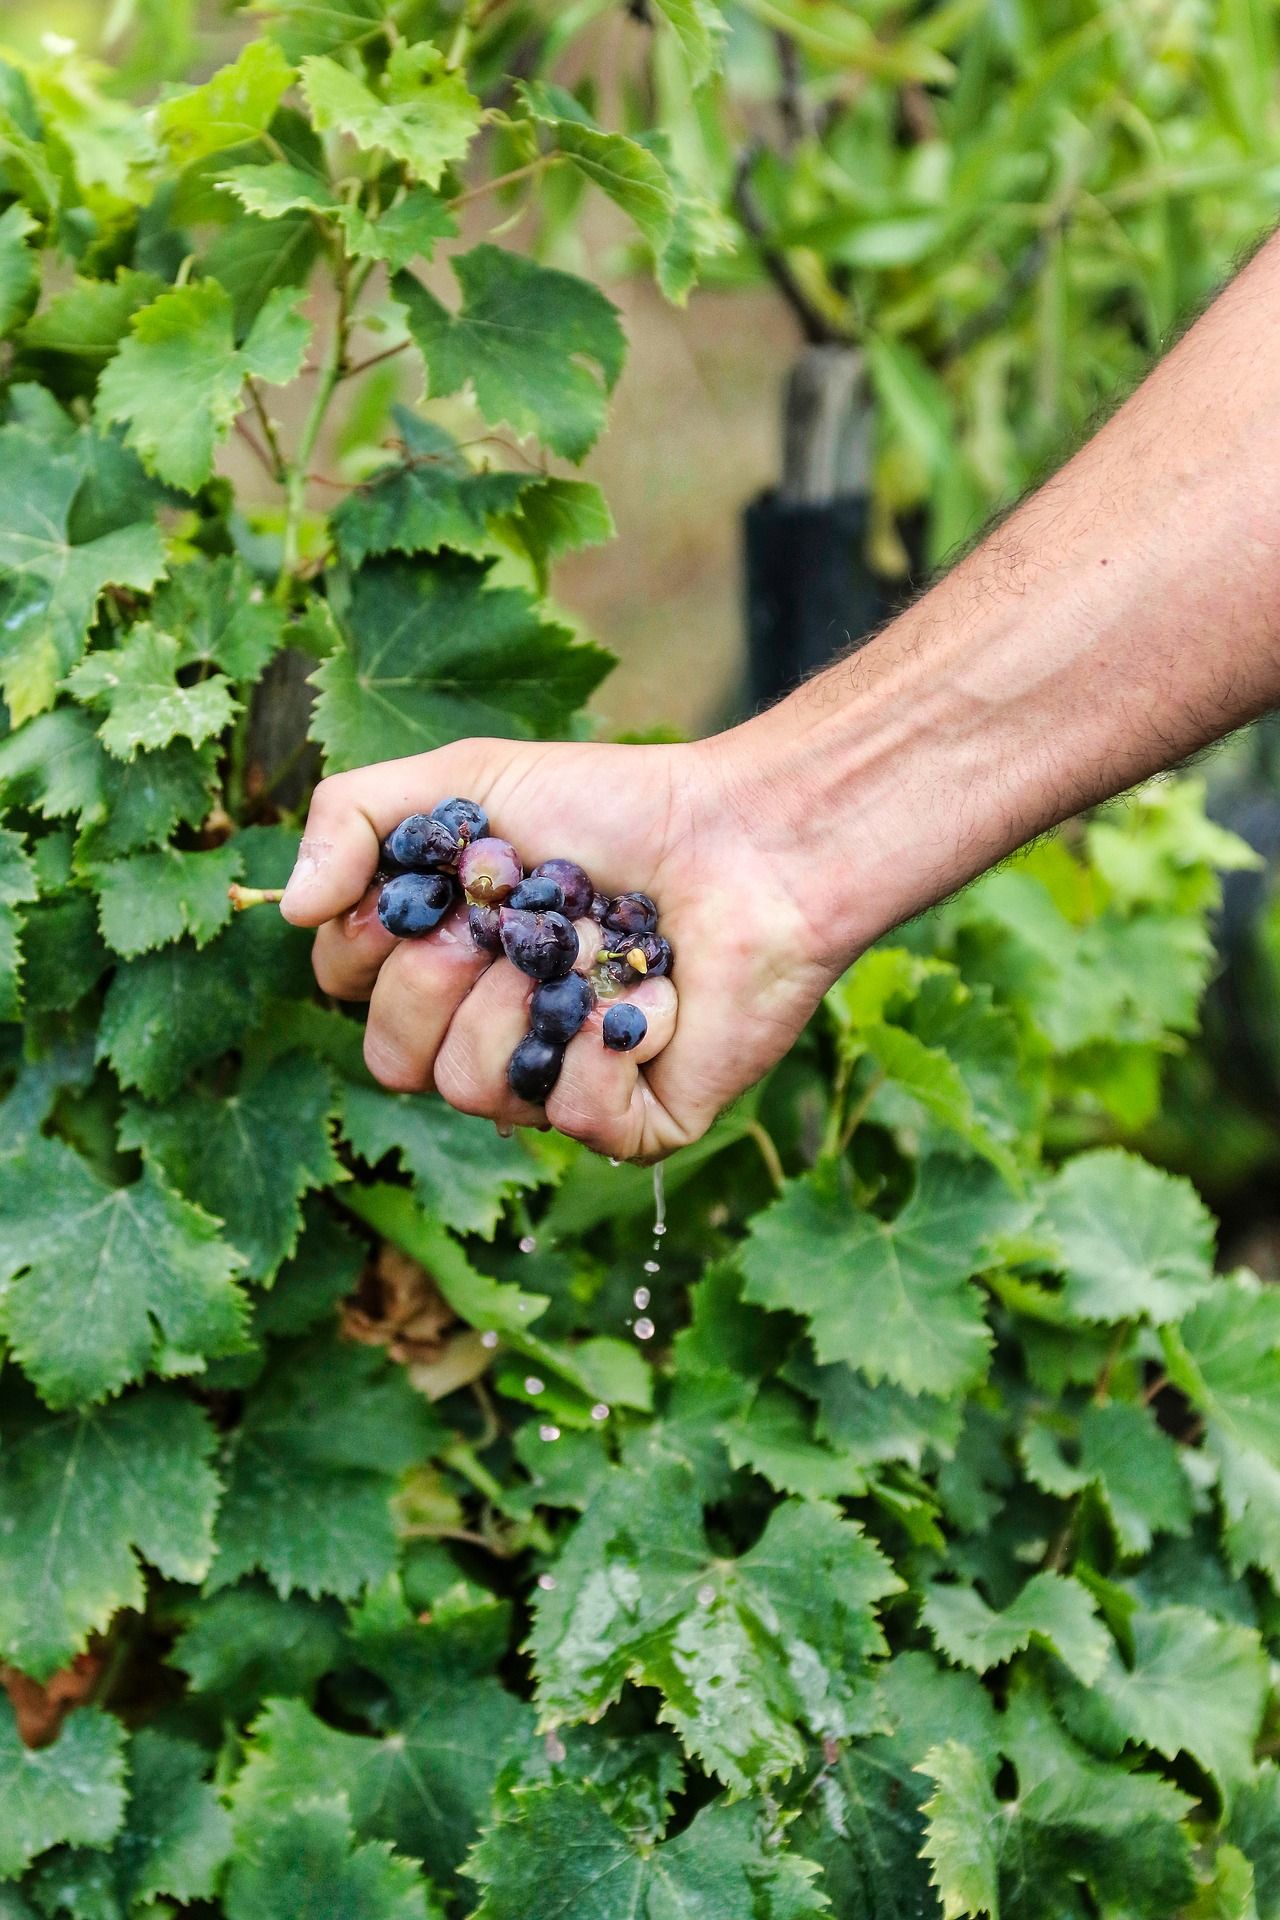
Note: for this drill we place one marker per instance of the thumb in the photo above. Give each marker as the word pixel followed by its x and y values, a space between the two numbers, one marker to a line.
pixel 351 813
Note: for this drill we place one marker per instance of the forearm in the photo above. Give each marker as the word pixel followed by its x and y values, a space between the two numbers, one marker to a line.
pixel 1125 615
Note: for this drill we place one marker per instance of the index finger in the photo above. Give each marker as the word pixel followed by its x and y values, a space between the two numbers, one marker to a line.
pixel 351 813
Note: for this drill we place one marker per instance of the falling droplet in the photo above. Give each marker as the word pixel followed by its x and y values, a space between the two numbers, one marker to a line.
pixel 532 1384
pixel 659 1199
pixel 599 1411
pixel 528 1244
pixel 645 1329
pixel 548 1433
pixel 653 1266
pixel 659 1228
pixel 547 1581
pixel 488 1339
pixel 705 1595
pixel 504 1131
pixel 613 1162
pixel 641 1297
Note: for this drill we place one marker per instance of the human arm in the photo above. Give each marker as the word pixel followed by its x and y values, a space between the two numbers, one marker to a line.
pixel 1122 617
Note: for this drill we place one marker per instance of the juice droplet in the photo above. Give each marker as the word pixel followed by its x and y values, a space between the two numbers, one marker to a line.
pixel 528 1244
pixel 645 1329
pixel 547 1581
pixel 532 1384
pixel 505 1132
pixel 641 1296
pixel 548 1433
pixel 488 1339
pixel 659 1199
pixel 599 1411
pixel 613 1162
pixel 659 1228
pixel 705 1594
pixel 653 1266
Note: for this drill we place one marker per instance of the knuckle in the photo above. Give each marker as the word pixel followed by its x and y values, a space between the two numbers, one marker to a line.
pixel 457 1083
pixel 390 1066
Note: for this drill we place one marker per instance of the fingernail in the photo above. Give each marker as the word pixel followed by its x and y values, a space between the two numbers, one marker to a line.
pixel 305 871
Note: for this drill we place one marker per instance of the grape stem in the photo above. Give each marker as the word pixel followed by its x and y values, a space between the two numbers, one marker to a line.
pixel 242 897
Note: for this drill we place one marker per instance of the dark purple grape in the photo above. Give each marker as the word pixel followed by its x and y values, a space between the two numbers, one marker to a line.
pixel 534 1068
pixel 573 883
pixel 538 895
pixel 559 1007
pixel 632 913
pixel 488 870
pixel 463 819
pixel 654 949
pixel 420 844
pixel 624 1028
pixel 485 931
pixel 411 904
pixel 599 908
pixel 543 945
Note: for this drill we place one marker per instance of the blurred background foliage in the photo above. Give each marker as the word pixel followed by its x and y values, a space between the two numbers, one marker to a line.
pixel 1009 206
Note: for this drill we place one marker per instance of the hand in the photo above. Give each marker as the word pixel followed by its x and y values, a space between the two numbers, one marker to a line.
pixel 685 824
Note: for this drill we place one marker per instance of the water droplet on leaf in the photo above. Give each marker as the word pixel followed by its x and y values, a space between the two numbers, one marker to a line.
pixel 548 1433
pixel 599 1411
pixel 706 1595
pixel 528 1244
pixel 532 1384
pixel 488 1339
pixel 547 1582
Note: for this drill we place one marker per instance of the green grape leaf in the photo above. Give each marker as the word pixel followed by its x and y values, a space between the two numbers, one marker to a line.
pixel 425 1785
pixel 424 115
pixel 633 177
pixel 558 516
pixel 55 765
pixel 308 1287
pixel 1131 1239
pixel 320 26
pixel 102 1282
pixel 247 1154
pixel 19 272
pixel 53 574
pixel 395 1215
pixel 127 1480
pixel 1194 1685
pixel 148 899
pixel 1253 1825
pixel 62 956
pixel 890 1296
pixel 700 28
pixel 146 704
pixel 1136 1468
pixel 862 1821
pixel 245 1643
pixel 431 655
pixel 184 342
pixel 723 1863
pixel 151 796
pixel 18 887
pixel 963 1838
pixel 234 106
pixel 71 1791
pixel 220 616
pixel 306 1862
pixel 399 234
pixel 741 1650
pixel 175 1836
pixel 775 1438
pixel 869 1424
pixel 313 1464
pixel 541 348
pixel 463 1172
pixel 1224 1357
pixel 1054 1610
pixel 83 325
pixel 431 499
pixel 256 260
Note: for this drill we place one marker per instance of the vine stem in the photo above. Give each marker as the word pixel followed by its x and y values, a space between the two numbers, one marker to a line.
pixel 501 180
pixel 768 1153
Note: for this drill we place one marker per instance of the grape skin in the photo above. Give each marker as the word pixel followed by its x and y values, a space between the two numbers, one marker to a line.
pixel 489 870
pixel 624 1028
pixel 573 881
pixel 485 931
pixel 559 1007
pixel 463 819
pixel 632 913
pixel 543 945
pixel 420 844
pixel 534 1068
pixel 538 894
pixel 411 904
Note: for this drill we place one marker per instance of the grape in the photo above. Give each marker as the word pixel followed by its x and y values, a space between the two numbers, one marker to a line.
pixel 632 913
pixel 420 844
pixel 536 895
pixel 488 870
pixel 483 922
pixel 534 1068
pixel 599 908
pixel 624 1028
pixel 543 945
pixel 559 1007
pixel 572 882
pixel 410 904
pixel 463 819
